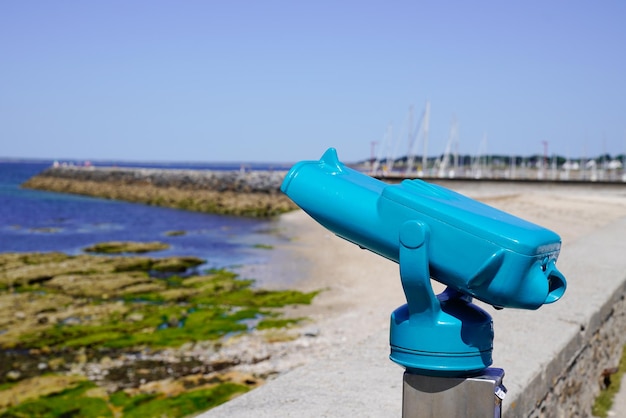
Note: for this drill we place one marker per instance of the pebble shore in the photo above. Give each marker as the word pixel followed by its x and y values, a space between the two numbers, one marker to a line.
pixel 243 193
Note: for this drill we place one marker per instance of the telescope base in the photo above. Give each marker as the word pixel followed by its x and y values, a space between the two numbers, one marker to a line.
pixel 436 397
pixel 441 364
pixel 454 340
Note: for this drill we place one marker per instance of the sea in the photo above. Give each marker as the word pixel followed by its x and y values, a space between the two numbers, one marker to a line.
pixel 39 221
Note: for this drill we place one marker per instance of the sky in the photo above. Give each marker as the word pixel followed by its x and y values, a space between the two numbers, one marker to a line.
pixel 281 81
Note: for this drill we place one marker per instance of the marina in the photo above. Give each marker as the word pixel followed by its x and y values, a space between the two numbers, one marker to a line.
pixel 419 160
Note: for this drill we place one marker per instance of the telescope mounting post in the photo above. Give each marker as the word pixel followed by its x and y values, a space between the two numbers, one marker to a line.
pixel 444 341
pixel 436 397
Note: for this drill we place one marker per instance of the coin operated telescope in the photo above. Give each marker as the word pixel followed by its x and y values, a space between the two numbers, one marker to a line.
pixel 474 249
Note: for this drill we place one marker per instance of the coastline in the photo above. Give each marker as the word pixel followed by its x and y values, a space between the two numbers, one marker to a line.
pixel 360 289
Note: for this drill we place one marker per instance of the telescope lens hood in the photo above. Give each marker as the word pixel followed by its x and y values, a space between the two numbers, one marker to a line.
pixel 556 283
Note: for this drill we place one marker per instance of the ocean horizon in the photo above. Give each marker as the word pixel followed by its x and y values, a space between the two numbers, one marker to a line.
pixel 186 165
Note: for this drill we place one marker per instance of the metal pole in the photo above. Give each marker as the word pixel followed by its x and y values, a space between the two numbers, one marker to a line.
pixel 441 397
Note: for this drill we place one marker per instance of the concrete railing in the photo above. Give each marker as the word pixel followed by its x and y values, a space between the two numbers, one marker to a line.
pixel 557 355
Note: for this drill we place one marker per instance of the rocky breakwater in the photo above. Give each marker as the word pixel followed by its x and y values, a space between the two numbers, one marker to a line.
pixel 250 193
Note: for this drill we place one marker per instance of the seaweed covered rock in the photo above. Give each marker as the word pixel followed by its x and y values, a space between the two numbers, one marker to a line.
pixel 85 335
pixel 120 247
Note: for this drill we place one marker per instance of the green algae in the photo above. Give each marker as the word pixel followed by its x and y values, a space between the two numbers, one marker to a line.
pixel 121 247
pixel 153 405
pixel 176 264
pixel 277 323
pixel 113 302
pixel 85 400
pixel 66 306
pixel 71 402
pixel 216 308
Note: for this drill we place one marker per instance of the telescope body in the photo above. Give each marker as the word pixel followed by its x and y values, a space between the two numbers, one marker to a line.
pixel 473 248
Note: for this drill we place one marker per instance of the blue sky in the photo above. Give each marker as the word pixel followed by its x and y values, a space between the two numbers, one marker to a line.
pixel 280 81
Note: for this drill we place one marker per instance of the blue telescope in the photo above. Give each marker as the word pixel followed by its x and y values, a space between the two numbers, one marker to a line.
pixel 474 249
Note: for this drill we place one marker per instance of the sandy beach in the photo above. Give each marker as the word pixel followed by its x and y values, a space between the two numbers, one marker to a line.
pixel 361 289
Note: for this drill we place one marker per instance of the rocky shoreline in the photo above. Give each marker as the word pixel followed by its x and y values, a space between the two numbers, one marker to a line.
pixel 242 193
pixel 134 335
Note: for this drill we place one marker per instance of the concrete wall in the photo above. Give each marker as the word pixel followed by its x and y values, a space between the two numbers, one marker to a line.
pixel 567 346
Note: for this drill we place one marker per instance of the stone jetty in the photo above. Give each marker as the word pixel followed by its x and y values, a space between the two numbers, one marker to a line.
pixel 243 193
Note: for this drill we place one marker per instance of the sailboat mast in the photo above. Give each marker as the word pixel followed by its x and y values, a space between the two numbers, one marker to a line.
pixel 426 127
pixel 410 139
